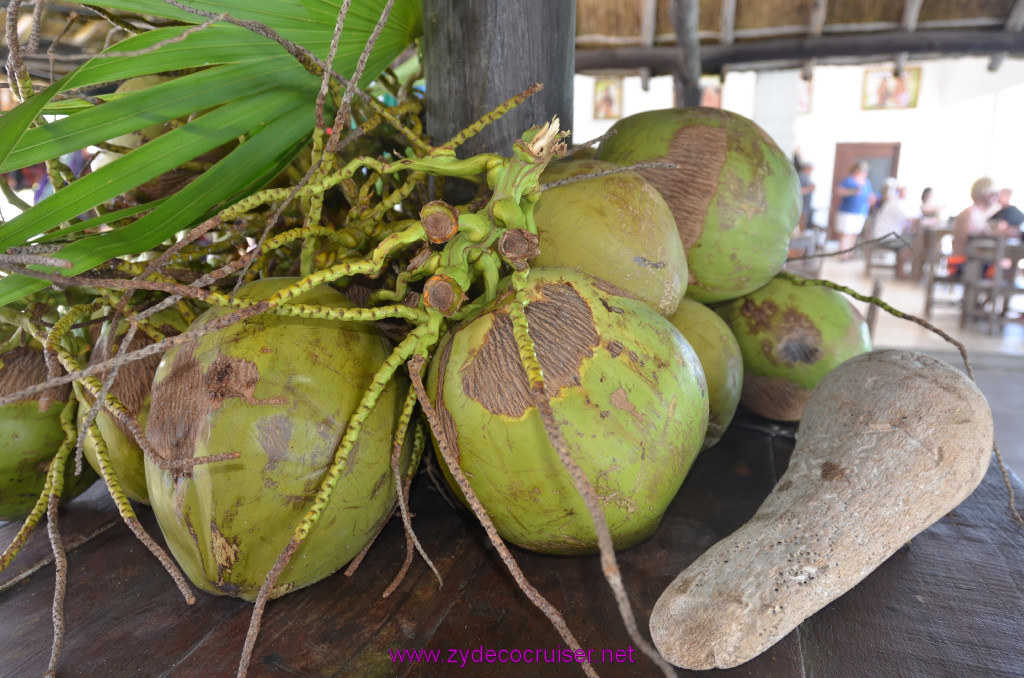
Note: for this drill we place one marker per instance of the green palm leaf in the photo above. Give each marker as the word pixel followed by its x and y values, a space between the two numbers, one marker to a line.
pixel 249 88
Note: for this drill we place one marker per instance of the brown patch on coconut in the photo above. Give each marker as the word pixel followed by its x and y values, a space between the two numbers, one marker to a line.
pixel 773 397
pixel 759 316
pixel 699 152
pixel 188 394
pixel 620 399
pixel 800 338
pixel 184 403
pixel 25 366
pixel 612 289
pixel 563 332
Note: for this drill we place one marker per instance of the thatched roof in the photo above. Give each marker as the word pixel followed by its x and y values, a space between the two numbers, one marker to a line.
pixel 630 34
pixel 626 35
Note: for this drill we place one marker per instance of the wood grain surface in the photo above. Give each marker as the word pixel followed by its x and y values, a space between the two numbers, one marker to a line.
pixel 951 603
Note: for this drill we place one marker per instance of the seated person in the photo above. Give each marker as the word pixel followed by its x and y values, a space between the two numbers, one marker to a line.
pixel 930 210
pixel 1007 219
pixel 973 221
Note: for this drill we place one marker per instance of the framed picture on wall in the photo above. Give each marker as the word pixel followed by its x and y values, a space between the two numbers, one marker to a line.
pixel 607 98
pixel 883 90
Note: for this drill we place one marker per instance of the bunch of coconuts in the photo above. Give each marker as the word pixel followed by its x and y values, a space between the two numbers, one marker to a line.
pixel 730 197
pixel 699 244
pixel 654 306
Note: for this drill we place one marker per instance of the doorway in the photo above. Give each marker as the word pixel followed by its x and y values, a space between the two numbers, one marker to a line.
pixel 883 161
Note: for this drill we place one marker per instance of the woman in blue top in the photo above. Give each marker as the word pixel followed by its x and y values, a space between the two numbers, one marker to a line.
pixel 857 200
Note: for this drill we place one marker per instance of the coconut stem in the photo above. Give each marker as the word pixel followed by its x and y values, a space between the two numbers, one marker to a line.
pixel 124 507
pixel 60 581
pixel 608 172
pixel 451 458
pixel 413 315
pixel 411 541
pixel 370 266
pixel 55 483
pixel 115 405
pixel 609 565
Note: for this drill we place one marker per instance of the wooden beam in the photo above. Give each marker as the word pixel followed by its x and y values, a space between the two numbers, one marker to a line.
pixel 799 30
pixel 819 12
pixel 648 28
pixel 911 10
pixel 850 48
pixel 727 23
pixel 685 19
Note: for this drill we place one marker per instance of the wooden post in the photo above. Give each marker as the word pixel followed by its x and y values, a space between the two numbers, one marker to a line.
pixel 687 75
pixel 478 53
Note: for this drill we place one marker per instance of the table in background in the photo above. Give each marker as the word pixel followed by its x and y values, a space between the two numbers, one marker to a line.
pixel 951 603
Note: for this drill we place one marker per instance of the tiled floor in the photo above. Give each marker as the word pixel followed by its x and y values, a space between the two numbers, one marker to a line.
pixel 998 359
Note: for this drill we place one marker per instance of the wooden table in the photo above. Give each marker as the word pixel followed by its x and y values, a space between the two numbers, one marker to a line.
pixel 951 603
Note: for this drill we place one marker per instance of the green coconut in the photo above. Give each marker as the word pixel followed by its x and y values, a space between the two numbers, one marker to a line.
pixel 30 435
pixel 132 387
pixel 616 227
pixel 721 359
pixel 279 391
pixel 735 196
pixel 624 384
pixel 791 336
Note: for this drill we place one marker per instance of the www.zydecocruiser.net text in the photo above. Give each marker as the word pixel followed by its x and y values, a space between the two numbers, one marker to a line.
pixel 480 655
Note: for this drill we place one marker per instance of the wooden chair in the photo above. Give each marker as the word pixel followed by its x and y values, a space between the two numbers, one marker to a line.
pixel 936 270
pixel 988 285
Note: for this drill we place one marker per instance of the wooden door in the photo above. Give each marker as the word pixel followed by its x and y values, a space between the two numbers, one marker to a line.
pixel 883 161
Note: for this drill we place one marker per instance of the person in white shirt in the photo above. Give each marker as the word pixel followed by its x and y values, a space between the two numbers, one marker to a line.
pixel 895 221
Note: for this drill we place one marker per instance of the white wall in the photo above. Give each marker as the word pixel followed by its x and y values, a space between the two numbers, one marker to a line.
pixel 775 100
